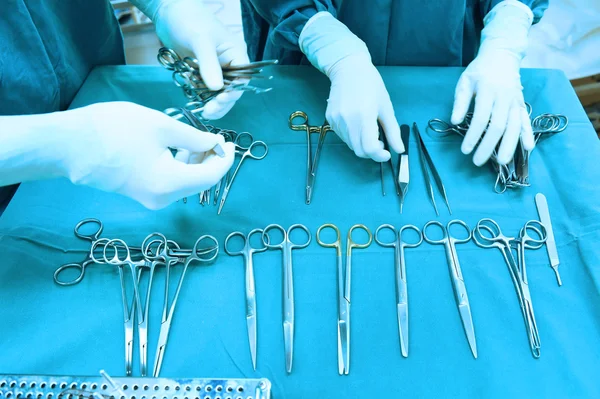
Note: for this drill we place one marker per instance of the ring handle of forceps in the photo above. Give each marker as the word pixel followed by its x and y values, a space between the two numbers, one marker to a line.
pixel 167 57
pixel 196 250
pixel 337 243
pixel 246 246
pixel 398 236
pixel 116 260
pixel 352 244
pixel 89 237
pixel 80 267
pixel 286 236
pixel 496 237
pixel 530 242
pixel 147 244
pixel 446 236
pixel 256 144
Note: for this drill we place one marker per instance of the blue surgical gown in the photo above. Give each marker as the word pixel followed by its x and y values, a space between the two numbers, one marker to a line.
pixel 47 49
pixel 397 32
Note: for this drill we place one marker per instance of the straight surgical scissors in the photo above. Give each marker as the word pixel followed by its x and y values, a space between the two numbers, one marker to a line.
pixel 458 283
pixel 286 246
pixel 344 280
pixel 244 152
pixel 247 252
pixel 165 327
pixel 311 163
pixel 400 267
pixel 96 243
pixel 493 238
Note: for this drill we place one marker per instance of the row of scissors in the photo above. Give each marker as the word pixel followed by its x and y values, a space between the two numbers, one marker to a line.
pixel 246 147
pixel 516 173
pixel 137 268
pixel 186 74
pixel 487 234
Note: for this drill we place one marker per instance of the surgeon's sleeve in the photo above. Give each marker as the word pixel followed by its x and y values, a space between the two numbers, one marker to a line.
pixel 538 7
pixel 288 17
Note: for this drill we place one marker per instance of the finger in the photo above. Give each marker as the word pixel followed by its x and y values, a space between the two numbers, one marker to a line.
pixel 463 94
pixel 511 136
pixel 220 105
pixel 181 136
pixel 337 124
pixel 183 156
pixel 481 117
pixel 526 130
pixel 390 126
pixel 369 138
pixel 189 179
pixel 208 64
pixel 494 132
pixel 235 54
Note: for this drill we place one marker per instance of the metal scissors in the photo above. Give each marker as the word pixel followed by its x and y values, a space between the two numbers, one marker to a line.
pixel 244 152
pixel 401 283
pixel 197 255
pixel 247 252
pixel 287 246
pixel 311 163
pixel 487 234
pixel 458 283
pixel 96 244
pixel 344 279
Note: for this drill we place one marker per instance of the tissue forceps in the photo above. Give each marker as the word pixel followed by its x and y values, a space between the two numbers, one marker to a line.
pixel 458 283
pixel 400 270
pixel 311 163
pixel 344 279
pixel 494 238
pixel 287 246
pixel 247 252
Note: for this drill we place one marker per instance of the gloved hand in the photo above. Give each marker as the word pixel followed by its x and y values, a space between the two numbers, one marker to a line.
pixel 123 147
pixel 358 97
pixel 493 77
pixel 189 28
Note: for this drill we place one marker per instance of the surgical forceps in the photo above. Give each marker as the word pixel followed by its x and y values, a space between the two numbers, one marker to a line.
pixel 311 163
pixel 403 165
pixel 400 268
pixel 458 283
pixel 96 243
pixel 287 246
pixel 344 279
pixel 197 255
pixel 244 152
pixel 247 252
pixel 427 163
pixel 493 238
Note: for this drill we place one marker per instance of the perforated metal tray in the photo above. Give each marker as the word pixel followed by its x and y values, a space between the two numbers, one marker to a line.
pixel 104 387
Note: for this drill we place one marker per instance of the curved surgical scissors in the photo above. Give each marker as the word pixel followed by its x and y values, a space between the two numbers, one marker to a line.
pixel 401 282
pixel 249 151
pixel 458 283
pixel 344 280
pixel 287 246
pixel 247 252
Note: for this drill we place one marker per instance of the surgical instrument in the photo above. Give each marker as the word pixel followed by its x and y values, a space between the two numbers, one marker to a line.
pixel 544 212
pixel 197 255
pixel 287 246
pixel 386 147
pixel 400 271
pixel 458 283
pixel 403 166
pixel 244 152
pixel 247 251
pixel 487 234
pixel 311 163
pixel 197 123
pixel 427 163
pixel 344 279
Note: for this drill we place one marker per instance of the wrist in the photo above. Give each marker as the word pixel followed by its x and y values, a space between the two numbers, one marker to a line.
pixel 506 29
pixel 152 8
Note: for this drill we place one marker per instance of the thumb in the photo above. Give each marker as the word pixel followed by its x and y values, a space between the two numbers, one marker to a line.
pixel 208 63
pixel 388 121
pixel 462 99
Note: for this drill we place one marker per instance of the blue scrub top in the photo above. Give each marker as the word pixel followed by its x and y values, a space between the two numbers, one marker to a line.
pixel 397 32
pixel 47 49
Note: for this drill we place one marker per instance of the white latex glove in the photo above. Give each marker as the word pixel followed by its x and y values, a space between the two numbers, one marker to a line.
pixel 190 29
pixel 358 97
pixel 493 77
pixel 123 148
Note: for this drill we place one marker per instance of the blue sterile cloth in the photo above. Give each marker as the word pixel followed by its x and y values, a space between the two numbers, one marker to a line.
pixel 79 330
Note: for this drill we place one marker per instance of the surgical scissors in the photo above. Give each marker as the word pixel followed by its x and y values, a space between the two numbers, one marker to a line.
pixel 311 163
pixel 517 269
pixel 287 246
pixel 167 318
pixel 247 252
pixel 344 279
pixel 458 283
pixel 400 268
pixel 244 152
